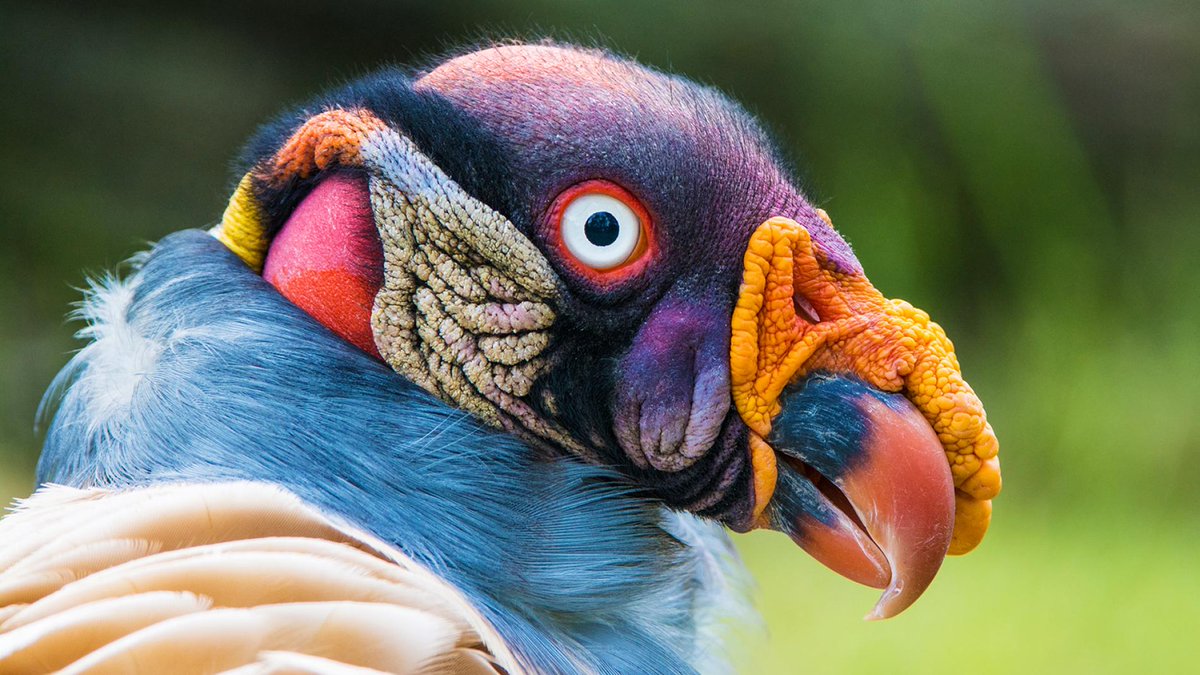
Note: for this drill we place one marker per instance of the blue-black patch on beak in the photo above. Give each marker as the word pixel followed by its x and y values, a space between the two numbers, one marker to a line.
pixel 863 486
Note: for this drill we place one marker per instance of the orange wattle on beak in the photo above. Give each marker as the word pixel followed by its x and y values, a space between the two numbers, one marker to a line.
pixel 869 448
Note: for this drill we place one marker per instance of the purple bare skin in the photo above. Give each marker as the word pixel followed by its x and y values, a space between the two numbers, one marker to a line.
pixel 707 174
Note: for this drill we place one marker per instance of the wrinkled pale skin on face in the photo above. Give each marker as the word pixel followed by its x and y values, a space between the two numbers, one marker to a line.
pixel 890 344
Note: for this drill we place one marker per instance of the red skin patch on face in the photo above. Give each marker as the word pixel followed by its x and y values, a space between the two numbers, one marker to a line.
pixel 328 261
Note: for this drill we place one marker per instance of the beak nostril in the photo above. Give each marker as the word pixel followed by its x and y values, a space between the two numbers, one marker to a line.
pixel 805 310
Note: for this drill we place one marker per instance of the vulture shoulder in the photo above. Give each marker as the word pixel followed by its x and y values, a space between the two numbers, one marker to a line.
pixel 224 577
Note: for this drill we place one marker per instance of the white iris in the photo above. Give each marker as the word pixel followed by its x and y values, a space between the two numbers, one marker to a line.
pixel 600 230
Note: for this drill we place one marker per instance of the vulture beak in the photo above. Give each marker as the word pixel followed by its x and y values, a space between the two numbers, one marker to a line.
pixel 868 448
pixel 863 487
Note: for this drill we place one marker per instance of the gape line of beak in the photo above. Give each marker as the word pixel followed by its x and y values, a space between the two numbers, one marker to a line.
pixel 799 314
pixel 863 486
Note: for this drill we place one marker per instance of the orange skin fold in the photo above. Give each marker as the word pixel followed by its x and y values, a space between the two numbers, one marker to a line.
pixel 889 344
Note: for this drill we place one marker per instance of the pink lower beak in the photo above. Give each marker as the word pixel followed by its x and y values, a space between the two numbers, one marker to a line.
pixel 864 487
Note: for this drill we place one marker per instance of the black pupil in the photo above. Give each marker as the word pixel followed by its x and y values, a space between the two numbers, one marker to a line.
pixel 601 228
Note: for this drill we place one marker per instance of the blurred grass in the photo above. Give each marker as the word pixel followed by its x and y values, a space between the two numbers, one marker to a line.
pixel 1074 595
pixel 1024 171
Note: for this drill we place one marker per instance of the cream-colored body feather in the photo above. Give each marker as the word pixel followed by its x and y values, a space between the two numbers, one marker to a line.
pixel 228 577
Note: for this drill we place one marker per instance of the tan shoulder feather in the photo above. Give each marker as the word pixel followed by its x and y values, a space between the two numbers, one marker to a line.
pixel 228 577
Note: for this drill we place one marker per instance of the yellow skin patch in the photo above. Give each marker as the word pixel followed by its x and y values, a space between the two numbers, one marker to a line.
pixel 890 344
pixel 241 228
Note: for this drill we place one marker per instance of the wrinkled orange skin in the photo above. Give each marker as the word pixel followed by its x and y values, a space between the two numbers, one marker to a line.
pixel 889 344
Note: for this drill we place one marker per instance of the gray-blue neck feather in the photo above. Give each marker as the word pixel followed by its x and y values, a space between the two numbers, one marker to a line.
pixel 198 370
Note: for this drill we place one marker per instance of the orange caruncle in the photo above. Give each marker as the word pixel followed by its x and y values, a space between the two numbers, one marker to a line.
pixel 890 344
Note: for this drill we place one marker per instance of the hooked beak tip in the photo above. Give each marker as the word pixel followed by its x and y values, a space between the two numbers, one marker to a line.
pixel 870 495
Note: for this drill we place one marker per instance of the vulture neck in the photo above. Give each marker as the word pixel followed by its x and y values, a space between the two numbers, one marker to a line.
pixel 197 370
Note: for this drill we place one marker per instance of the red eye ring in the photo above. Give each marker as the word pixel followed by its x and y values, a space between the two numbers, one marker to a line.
pixel 642 253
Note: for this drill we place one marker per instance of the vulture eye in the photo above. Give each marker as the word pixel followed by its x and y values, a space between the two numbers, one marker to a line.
pixel 600 231
pixel 602 227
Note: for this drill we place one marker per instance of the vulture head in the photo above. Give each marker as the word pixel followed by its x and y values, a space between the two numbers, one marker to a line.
pixel 613 263
pixel 559 252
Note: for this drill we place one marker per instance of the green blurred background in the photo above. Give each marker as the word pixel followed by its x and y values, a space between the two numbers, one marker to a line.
pixel 1028 172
